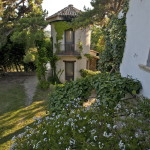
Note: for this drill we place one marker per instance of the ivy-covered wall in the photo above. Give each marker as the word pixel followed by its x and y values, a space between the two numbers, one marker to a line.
pixel 115 37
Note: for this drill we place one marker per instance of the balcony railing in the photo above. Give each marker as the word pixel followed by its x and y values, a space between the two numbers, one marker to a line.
pixel 69 49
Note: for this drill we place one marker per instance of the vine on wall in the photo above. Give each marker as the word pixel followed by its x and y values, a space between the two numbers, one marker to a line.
pixel 60 27
pixel 115 38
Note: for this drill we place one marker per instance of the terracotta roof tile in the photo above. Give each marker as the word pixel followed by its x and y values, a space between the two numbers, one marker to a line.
pixel 69 11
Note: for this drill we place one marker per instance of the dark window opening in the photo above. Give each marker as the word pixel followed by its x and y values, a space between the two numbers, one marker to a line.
pixel 69 70
pixel 69 40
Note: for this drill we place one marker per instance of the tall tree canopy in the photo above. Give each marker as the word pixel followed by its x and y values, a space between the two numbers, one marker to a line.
pixel 18 15
pixel 21 30
pixel 100 9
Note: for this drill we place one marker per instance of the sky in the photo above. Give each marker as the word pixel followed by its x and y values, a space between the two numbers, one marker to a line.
pixel 53 6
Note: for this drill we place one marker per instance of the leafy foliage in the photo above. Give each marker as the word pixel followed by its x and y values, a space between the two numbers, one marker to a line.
pixel 115 37
pixel 60 27
pixel 63 97
pixel 86 72
pixel 96 15
pixel 109 89
pixel 97 39
pixel 18 13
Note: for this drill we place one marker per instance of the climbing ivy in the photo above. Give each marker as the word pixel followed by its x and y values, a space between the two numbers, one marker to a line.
pixel 115 38
pixel 60 27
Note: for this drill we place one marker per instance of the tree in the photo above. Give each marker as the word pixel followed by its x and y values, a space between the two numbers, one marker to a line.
pixel 97 14
pixel 15 12
pixel 111 36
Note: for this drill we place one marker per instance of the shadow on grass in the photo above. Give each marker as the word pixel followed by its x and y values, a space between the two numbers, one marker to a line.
pixel 10 136
pixel 22 112
pixel 12 98
pixel 14 122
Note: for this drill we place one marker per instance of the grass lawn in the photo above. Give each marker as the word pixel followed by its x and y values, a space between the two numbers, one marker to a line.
pixel 14 115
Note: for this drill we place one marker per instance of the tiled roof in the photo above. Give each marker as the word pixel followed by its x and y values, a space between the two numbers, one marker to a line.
pixel 68 11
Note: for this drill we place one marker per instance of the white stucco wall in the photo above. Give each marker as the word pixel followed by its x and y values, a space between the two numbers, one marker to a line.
pixel 137 43
pixel 78 65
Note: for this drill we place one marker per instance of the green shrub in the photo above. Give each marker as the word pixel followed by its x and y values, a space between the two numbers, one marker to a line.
pixel 53 80
pixel 43 84
pixel 62 96
pixel 85 72
pixel 110 88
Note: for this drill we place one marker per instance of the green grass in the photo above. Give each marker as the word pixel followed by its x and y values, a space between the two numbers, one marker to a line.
pixel 14 115
pixel 12 97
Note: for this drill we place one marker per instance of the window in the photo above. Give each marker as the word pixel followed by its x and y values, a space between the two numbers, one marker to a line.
pixel 69 40
pixel 69 36
pixel 69 70
pixel 148 60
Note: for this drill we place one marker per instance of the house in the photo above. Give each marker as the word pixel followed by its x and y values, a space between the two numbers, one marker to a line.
pixel 136 59
pixel 73 49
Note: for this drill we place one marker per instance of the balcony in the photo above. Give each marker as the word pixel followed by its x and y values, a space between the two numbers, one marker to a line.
pixel 68 50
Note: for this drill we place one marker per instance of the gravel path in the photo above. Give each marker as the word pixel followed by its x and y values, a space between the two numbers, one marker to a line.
pixel 30 85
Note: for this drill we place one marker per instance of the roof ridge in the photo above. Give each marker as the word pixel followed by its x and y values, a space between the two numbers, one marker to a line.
pixel 67 11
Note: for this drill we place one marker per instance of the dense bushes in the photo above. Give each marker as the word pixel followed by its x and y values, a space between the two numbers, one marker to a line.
pixel 86 72
pixel 110 88
pixel 62 96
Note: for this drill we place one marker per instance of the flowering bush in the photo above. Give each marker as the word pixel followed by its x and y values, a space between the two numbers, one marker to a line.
pixel 93 128
pixel 110 123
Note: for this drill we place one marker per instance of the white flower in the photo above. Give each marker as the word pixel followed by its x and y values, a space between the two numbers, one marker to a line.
pixel 58 131
pixel 118 106
pixel 80 130
pixel 114 126
pixel 121 145
pixel 132 115
pixel 44 132
pixel 45 139
pixel 107 135
pixel 100 145
pixel 21 135
pixel 47 118
pixel 93 131
pixel 136 135
pixel 106 114
pixel 108 125
pixel 95 138
pixel 72 141
pixel 13 138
